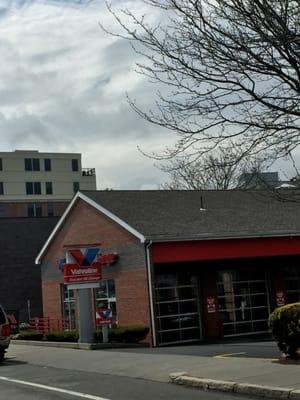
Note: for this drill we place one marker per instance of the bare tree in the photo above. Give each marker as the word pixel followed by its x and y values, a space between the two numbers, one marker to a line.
pixel 231 70
pixel 213 171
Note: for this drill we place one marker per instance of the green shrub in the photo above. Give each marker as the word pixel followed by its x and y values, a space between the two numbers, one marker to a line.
pixel 284 323
pixel 124 334
pixel 66 336
pixel 29 335
pixel 128 334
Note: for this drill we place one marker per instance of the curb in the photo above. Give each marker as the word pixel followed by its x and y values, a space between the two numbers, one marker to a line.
pixel 272 392
pixel 78 346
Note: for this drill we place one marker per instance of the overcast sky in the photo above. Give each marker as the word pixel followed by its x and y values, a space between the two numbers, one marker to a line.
pixel 63 85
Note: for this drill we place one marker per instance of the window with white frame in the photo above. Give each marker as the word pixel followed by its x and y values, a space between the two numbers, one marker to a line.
pixel 105 297
pixel 68 306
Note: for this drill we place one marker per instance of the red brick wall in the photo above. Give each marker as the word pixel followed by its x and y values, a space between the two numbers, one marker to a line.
pixel 52 299
pixel 86 225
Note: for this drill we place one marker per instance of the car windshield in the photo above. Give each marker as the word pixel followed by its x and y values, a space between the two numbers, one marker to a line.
pixel 2 317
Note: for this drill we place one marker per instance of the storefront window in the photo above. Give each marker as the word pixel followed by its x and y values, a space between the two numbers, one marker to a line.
pixel 105 297
pixel 177 308
pixel 243 301
pixel 68 307
pixel 292 278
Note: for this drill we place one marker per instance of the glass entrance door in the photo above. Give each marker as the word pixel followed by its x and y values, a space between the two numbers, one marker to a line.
pixel 243 302
pixel 177 309
pixel 292 279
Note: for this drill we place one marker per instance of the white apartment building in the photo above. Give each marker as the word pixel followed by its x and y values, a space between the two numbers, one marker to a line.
pixel 31 177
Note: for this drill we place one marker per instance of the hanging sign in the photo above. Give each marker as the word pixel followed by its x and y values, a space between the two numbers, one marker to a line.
pixel 280 299
pixel 74 273
pixel 84 265
pixel 211 304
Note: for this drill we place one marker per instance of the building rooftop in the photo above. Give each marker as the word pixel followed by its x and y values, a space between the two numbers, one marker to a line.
pixel 174 215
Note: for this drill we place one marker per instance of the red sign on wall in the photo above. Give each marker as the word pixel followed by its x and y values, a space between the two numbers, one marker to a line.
pixel 211 304
pixel 74 273
pixel 104 316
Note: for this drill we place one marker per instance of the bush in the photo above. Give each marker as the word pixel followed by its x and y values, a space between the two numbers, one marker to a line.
pixel 128 334
pixel 29 335
pixel 284 323
pixel 124 334
pixel 66 336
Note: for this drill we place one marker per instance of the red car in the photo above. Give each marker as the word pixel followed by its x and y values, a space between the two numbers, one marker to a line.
pixel 4 333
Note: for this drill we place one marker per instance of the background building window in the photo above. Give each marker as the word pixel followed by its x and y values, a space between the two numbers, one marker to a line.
pixel 49 189
pixel 28 164
pixel 29 187
pixel 1 188
pixel 76 187
pixel 1 164
pixel 75 166
pixel 2 210
pixel 50 210
pixel 34 210
pixel 32 164
pixel 35 164
pixel 33 188
pixel 37 187
pixel 47 164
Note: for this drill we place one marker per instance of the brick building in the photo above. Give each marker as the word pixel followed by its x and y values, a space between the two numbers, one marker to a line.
pixel 35 188
pixel 20 280
pixel 193 265
pixel 38 184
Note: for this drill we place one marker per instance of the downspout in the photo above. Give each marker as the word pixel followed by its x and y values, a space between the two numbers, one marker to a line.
pixel 148 262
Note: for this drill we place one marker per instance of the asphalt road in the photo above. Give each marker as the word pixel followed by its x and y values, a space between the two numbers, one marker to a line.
pixel 96 386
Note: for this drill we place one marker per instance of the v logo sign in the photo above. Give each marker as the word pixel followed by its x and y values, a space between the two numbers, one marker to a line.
pixel 85 258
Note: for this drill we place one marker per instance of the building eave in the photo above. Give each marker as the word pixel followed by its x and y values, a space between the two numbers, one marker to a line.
pixel 193 238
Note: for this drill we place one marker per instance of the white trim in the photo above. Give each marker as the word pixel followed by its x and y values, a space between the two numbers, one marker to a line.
pixel 52 389
pixel 148 266
pixel 83 285
pixel 103 210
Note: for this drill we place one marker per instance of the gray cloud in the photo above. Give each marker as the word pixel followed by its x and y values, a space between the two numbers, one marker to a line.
pixel 63 88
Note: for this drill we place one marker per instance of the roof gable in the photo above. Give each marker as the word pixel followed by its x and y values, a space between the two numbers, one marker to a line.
pixel 86 199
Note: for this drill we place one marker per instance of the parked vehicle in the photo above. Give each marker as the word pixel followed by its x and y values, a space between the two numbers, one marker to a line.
pixel 4 333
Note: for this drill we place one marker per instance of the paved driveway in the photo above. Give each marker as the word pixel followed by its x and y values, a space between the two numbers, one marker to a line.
pixel 251 349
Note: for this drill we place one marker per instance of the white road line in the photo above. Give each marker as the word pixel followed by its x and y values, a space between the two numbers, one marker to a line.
pixel 226 355
pixel 53 389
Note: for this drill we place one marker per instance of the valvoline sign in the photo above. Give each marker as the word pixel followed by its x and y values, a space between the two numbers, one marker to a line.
pixel 74 273
pixel 83 265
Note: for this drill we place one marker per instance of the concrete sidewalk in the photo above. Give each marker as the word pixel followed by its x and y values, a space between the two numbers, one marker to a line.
pixel 158 367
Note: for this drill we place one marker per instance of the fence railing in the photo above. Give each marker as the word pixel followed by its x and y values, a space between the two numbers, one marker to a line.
pixel 46 324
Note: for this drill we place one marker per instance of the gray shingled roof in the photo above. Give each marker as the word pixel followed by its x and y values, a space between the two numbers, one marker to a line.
pixel 171 215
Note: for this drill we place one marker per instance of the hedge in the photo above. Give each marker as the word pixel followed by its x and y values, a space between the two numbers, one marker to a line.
pixel 284 323
pixel 125 334
pixel 29 335
pixel 66 336
pixel 119 334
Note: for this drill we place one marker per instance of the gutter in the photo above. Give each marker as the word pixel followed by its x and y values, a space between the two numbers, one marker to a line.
pixel 222 237
pixel 148 266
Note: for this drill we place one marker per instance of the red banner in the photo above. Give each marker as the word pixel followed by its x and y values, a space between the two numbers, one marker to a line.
pixel 73 273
